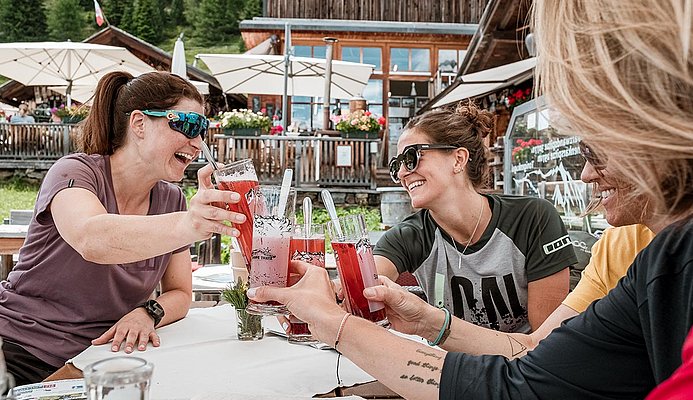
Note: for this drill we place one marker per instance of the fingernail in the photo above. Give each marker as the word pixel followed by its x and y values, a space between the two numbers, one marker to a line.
pixel 128 349
pixel 285 325
pixel 240 218
pixel 114 348
pixel 235 196
pixel 369 292
pixel 251 292
pixel 141 347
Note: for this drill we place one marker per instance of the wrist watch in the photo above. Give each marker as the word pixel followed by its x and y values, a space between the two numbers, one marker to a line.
pixel 154 310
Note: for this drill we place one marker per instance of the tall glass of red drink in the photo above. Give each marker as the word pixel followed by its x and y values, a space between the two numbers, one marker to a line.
pixel 356 267
pixel 308 247
pixel 240 177
pixel 272 230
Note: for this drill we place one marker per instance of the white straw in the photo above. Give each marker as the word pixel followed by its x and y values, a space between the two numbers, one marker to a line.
pixel 329 205
pixel 307 216
pixel 284 194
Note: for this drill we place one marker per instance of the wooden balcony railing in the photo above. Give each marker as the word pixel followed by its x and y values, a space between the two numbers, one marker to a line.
pixel 317 161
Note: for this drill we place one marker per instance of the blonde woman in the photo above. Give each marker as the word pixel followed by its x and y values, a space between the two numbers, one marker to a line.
pixel 619 72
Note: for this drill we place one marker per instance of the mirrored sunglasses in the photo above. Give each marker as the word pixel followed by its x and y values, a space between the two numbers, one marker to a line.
pixel 598 161
pixel 410 158
pixel 190 124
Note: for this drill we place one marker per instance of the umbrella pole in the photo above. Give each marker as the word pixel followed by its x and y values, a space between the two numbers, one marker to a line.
pixel 329 42
pixel 287 51
pixel 68 93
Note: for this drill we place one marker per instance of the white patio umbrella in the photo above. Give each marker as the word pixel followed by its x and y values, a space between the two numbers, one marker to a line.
pixel 81 93
pixel 180 67
pixel 264 74
pixel 487 81
pixel 65 63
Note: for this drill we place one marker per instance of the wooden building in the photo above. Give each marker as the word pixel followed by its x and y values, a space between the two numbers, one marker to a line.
pixel 13 92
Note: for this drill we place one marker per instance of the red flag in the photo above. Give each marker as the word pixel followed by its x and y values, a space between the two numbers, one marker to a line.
pixel 99 13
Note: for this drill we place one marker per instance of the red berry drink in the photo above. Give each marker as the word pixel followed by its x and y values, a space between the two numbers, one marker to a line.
pixel 246 189
pixel 357 271
pixel 310 250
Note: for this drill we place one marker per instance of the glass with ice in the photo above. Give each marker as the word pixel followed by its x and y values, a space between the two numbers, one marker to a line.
pixel 240 177
pixel 356 267
pixel 272 230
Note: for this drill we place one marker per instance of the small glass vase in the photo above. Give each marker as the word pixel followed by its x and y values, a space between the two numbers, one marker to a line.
pixel 249 326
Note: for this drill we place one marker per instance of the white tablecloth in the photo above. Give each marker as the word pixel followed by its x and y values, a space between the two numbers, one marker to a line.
pixel 200 354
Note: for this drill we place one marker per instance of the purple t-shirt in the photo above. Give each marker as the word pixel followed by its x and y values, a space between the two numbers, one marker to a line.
pixel 54 302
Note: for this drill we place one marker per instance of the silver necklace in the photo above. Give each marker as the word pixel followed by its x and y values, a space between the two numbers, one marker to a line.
pixel 478 221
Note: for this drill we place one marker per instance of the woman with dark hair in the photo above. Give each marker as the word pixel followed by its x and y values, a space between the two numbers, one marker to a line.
pixel 108 228
pixel 497 261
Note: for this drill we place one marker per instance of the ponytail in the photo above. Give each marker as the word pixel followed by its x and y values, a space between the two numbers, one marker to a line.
pixel 104 129
pixel 117 95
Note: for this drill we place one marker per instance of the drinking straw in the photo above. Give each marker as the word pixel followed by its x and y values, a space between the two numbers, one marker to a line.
pixel 208 156
pixel 307 215
pixel 329 205
pixel 284 193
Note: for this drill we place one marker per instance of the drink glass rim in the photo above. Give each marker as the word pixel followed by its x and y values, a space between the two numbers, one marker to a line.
pixel 138 370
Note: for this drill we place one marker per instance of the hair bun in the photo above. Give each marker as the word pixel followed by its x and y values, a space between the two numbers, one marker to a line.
pixel 481 120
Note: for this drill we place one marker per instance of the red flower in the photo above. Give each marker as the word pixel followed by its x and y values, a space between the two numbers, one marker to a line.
pixel 528 91
pixel 518 141
pixel 367 113
pixel 280 128
pixel 511 101
pixel 381 121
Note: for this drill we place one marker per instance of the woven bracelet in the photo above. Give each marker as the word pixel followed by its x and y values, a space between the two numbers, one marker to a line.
pixel 443 329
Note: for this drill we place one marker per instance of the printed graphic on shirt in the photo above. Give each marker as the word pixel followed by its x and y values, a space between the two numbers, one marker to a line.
pixel 492 293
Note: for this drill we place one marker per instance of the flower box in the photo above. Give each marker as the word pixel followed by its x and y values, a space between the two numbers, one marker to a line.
pixel 360 135
pixel 71 120
pixel 243 132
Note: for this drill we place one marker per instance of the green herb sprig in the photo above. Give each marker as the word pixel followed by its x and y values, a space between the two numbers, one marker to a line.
pixel 235 294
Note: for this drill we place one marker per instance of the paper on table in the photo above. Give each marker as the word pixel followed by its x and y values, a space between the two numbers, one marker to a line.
pixel 72 389
pixel 200 353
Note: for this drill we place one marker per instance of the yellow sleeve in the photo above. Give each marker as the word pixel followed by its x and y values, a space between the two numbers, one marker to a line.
pixel 612 254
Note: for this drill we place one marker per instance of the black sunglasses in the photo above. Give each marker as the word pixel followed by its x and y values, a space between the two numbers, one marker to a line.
pixel 190 124
pixel 598 161
pixel 410 158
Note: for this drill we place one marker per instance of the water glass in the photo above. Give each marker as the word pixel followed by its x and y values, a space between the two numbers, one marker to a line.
pixel 118 378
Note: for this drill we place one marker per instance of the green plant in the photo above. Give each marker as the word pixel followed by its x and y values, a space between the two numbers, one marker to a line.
pixel 236 294
pixel 243 118
pixel 16 194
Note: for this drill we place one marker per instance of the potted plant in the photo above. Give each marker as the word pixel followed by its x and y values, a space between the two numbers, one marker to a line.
pixel 70 115
pixel 249 326
pixel 359 124
pixel 244 122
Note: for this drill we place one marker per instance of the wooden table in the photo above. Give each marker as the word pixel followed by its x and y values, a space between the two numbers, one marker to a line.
pixel 11 240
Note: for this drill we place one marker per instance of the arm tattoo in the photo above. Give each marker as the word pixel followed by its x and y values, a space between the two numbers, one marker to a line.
pixel 516 348
pixel 427 354
pixel 419 379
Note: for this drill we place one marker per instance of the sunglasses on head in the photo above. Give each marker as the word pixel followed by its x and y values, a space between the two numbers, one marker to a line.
pixel 410 158
pixel 190 124
pixel 598 161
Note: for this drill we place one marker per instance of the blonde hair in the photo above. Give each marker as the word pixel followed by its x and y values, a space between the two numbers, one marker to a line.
pixel 620 73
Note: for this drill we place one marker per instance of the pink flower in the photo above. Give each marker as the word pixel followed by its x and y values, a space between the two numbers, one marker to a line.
pixel 367 113
pixel 263 110
pixel 354 122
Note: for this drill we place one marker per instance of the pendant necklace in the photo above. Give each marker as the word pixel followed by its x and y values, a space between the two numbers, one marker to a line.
pixel 459 259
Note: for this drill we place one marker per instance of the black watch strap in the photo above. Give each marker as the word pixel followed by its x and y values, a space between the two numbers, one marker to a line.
pixel 154 310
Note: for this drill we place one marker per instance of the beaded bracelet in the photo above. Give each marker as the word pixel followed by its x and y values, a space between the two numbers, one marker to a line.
pixel 341 328
pixel 443 330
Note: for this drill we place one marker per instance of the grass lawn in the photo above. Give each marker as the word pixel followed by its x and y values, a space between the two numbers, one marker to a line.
pixel 16 195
